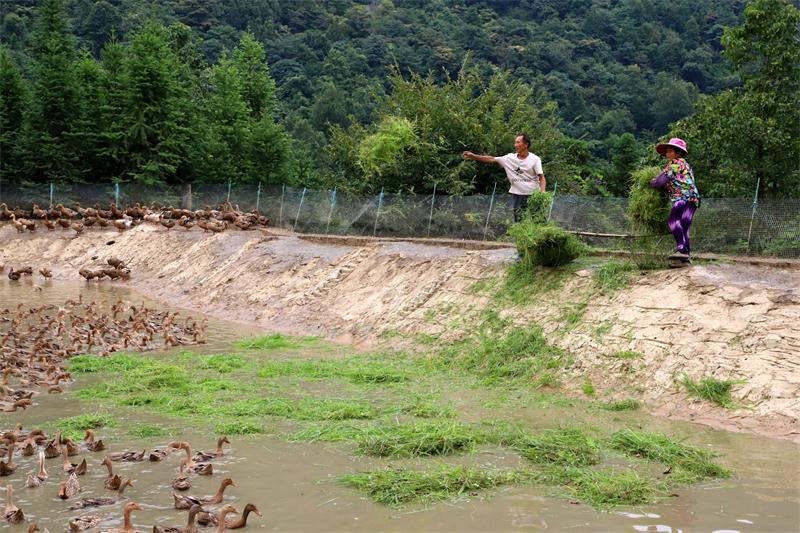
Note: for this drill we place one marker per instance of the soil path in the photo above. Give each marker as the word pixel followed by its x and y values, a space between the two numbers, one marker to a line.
pixel 730 321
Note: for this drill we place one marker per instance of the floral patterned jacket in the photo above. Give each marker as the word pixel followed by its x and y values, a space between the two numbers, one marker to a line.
pixel 678 178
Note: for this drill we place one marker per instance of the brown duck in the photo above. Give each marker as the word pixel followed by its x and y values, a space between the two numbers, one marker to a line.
pixel 9 466
pixel 99 501
pixel 91 444
pixel 12 513
pixel 69 488
pixel 127 526
pixel 190 525
pixel 202 457
pixel 72 468
pixel 37 479
pixel 210 518
pixel 186 502
pixel 132 457
pixel 113 481
pixel 182 481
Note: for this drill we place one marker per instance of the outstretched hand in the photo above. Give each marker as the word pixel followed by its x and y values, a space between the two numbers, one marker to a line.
pixel 468 155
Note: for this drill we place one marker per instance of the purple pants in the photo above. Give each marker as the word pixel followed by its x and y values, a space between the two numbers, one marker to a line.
pixel 680 220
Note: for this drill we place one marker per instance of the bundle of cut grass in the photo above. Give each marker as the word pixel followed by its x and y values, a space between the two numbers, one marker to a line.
pixel 545 244
pixel 567 447
pixel 416 440
pixel 648 208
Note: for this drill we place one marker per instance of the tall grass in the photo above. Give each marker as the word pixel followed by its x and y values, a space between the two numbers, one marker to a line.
pixel 711 389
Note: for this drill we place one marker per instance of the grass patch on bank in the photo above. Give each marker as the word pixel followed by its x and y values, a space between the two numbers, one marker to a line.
pixel 275 342
pixel 628 404
pixel 614 275
pixel 711 389
pixel 357 370
pixel 399 486
pixel 85 421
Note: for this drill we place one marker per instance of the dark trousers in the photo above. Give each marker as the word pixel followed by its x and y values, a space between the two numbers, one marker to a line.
pixel 520 202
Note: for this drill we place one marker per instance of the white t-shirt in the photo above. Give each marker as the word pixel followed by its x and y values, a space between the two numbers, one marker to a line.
pixel 522 173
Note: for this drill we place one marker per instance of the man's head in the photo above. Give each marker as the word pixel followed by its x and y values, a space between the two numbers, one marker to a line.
pixel 522 143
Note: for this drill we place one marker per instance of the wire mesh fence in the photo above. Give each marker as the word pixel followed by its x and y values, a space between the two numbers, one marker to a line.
pixel 721 225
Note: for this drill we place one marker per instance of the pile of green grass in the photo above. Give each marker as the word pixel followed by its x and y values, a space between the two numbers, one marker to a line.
pixel 607 488
pixel 565 447
pixel 648 208
pixel 628 404
pixel 545 244
pixel 274 342
pixel 614 275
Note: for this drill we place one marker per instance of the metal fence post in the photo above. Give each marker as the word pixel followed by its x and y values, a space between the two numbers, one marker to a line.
pixel 430 217
pixel 377 213
pixel 280 213
pixel 330 213
pixel 753 214
pixel 552 201
pixel 52 186
pixel 299 207
pixel 258 197
pixel 116 193
pixel 229 191
pixel 489 214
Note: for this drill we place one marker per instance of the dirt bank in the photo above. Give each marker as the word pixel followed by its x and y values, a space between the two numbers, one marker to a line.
pixel 740 322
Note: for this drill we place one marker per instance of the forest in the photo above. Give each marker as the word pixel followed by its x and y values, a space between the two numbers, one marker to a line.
pixel 364 95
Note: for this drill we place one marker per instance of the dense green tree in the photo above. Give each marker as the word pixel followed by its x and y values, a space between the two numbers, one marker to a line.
pixel 49 152
pixel 13 103
pixel 751 134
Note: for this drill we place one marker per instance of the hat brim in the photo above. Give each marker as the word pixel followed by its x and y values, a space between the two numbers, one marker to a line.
pixel 662 149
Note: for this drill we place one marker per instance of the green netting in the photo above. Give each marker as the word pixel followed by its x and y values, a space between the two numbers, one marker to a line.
pixel 721 225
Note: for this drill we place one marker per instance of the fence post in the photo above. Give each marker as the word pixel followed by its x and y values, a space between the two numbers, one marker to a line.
pixel 51 193
pixel 377 213
pixel 430 217
pixel 258 197
pixel 753 214
pixel 552 201
pixel 299 207
pixel 330 213
pixel 280 213
pixel 116 193
pixel 489 214
pixel 229 191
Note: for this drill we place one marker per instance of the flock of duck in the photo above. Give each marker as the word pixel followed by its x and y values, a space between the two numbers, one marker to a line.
pixel 215 220
pixel 38 341
pixel 28 443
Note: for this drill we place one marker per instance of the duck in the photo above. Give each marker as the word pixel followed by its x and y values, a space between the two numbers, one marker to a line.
pixel 85 522
pixel 72 468
pixel 46 273
pixel 14 275
pixel 122 224
pixel 51 448
pixel 167 223
pixel 102 500
pixel 113 481
pixel 8 467
pixel 91 444
pixel 182 481
pixel 69 488
pixel 132 457
pixel 159 455
pixel 37 479
pixel 72 448
pixel 226 510
pixel 12 513
pixel 208 456
pixel 127 526
pixel 190 525
pixel 210 518
pixel 28 447
pixel 186 502
pixel 199 469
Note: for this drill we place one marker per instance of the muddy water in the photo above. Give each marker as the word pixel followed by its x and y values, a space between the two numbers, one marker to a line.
pixel 294 485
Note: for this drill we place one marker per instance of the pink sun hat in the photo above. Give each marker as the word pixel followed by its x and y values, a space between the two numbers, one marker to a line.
pixel 674 143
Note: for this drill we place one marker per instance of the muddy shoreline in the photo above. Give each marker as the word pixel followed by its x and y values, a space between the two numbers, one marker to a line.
pixel 740 323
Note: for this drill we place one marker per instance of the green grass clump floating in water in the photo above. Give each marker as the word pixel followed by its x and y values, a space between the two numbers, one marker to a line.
pixel 566 447
pixel 400 486
pixel 144 431
pixel 607 488
pixel 711 389
pixel 658 447
pixel 239 427
pixel 416 439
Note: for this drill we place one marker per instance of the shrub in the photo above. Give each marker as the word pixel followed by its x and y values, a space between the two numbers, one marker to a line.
pixel 545 244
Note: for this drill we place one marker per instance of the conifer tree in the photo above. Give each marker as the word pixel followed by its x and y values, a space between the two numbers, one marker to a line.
pixel 13 102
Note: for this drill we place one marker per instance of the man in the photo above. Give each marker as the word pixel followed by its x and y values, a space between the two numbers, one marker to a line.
pixel 523 169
